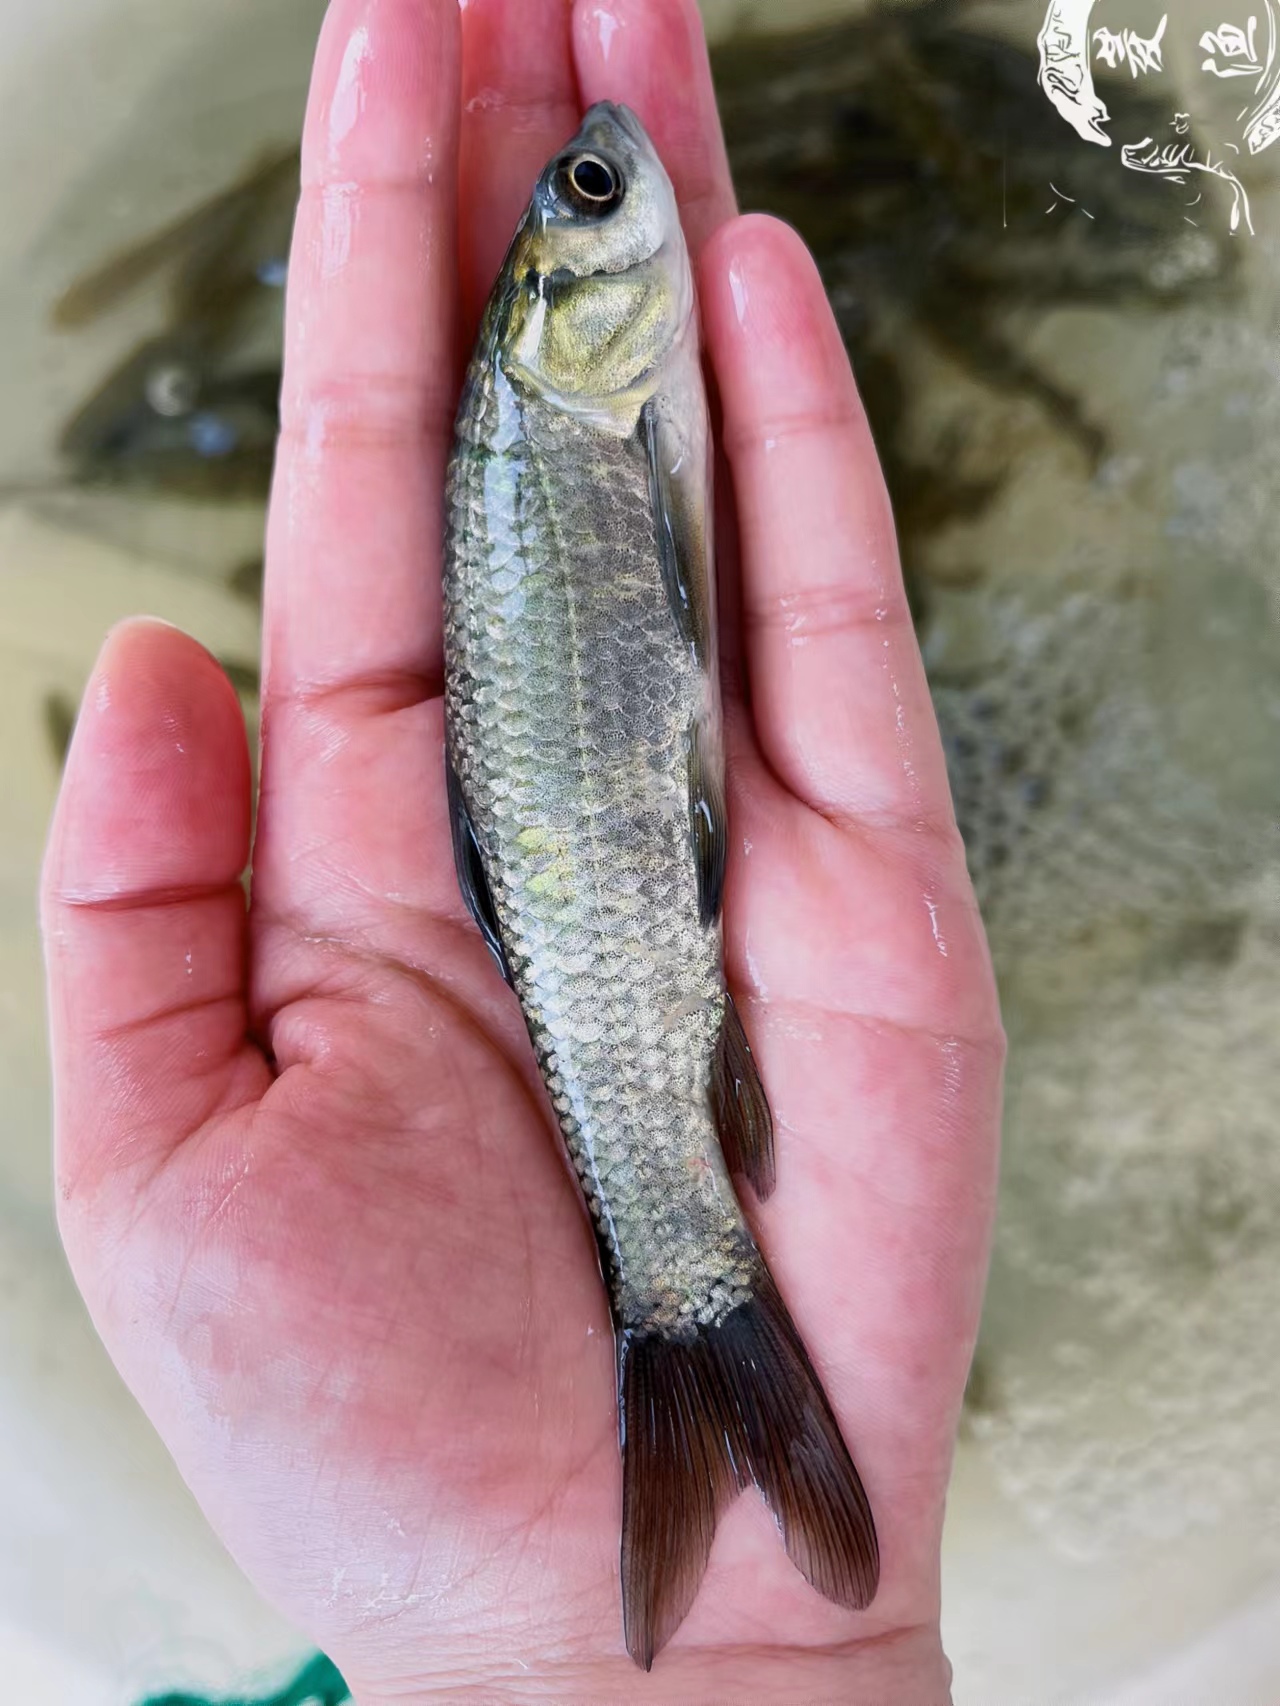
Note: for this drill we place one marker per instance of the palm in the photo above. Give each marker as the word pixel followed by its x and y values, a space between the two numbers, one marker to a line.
pixel 311 1188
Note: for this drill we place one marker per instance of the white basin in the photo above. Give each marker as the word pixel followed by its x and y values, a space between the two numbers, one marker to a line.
pixel 128 112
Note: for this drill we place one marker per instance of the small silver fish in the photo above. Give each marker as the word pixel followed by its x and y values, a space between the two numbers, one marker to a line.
pixel 586 785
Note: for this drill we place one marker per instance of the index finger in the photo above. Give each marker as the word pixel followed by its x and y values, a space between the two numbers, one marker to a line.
pixel 652 55
pixel 839 696
pixel 520 103
pixel 370 355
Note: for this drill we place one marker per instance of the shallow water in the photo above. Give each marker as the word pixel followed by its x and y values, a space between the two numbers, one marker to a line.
pixel 1077 422
pixel 1077 416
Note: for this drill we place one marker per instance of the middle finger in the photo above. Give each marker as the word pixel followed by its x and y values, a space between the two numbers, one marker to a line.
pixel 519 104
pixel 652 54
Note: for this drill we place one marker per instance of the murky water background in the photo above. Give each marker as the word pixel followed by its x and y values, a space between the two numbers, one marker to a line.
pixel 1078 422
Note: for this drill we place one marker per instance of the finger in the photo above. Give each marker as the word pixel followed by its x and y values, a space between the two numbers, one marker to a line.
pixel 352 596
pixel 839 697
pixel 352 587
pixel 144 916
pixel 520 100
pixel 652 55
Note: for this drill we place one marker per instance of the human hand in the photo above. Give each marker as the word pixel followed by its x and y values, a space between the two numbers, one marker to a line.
pixel 308 1181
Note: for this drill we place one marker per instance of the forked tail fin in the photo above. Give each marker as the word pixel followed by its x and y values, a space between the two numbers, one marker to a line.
pixel 702 1418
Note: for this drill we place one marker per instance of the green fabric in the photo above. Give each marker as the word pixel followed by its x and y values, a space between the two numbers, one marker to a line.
pixel 316 1684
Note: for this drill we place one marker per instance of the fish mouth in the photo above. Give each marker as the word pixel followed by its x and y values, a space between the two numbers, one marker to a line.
pixel 615 112
pixel 608 120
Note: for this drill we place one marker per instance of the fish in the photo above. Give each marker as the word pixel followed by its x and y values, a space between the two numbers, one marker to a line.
pixel 166 416
pixel 585 773
pixel 195 408
pixel 219 248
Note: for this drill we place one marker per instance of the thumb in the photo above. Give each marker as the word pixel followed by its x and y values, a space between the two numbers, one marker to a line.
pixel 144 915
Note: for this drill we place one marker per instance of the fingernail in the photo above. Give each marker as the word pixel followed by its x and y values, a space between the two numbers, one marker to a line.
pixel 129 622
pixel 100 692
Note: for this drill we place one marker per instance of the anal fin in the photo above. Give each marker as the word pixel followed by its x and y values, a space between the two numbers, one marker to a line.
pixel 705 1415
pixel 740 1106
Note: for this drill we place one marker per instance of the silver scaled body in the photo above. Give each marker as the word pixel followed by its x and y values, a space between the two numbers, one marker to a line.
pixel 573 698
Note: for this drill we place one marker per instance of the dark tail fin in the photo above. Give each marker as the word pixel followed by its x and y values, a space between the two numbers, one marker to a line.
pixel 703 1417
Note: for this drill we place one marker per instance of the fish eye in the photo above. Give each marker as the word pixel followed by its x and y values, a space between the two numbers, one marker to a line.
pixel 590 185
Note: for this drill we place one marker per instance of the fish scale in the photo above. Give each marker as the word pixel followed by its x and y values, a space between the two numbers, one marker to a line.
pixel 570 707
pixel 586 794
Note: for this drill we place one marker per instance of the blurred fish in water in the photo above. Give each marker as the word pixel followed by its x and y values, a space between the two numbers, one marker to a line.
pixel 59 713
pixel 245 580
pixel 166 417
pixel 240 232
pixel 913 149
pixel 195 408
pixel 910 146
pixel 586 781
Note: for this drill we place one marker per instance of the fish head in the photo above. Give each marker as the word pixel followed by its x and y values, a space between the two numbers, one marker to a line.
pixel 597 280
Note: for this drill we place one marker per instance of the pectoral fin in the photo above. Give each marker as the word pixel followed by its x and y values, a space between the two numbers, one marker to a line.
pixel 708 821
pixel 470 868
pixel 682 549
